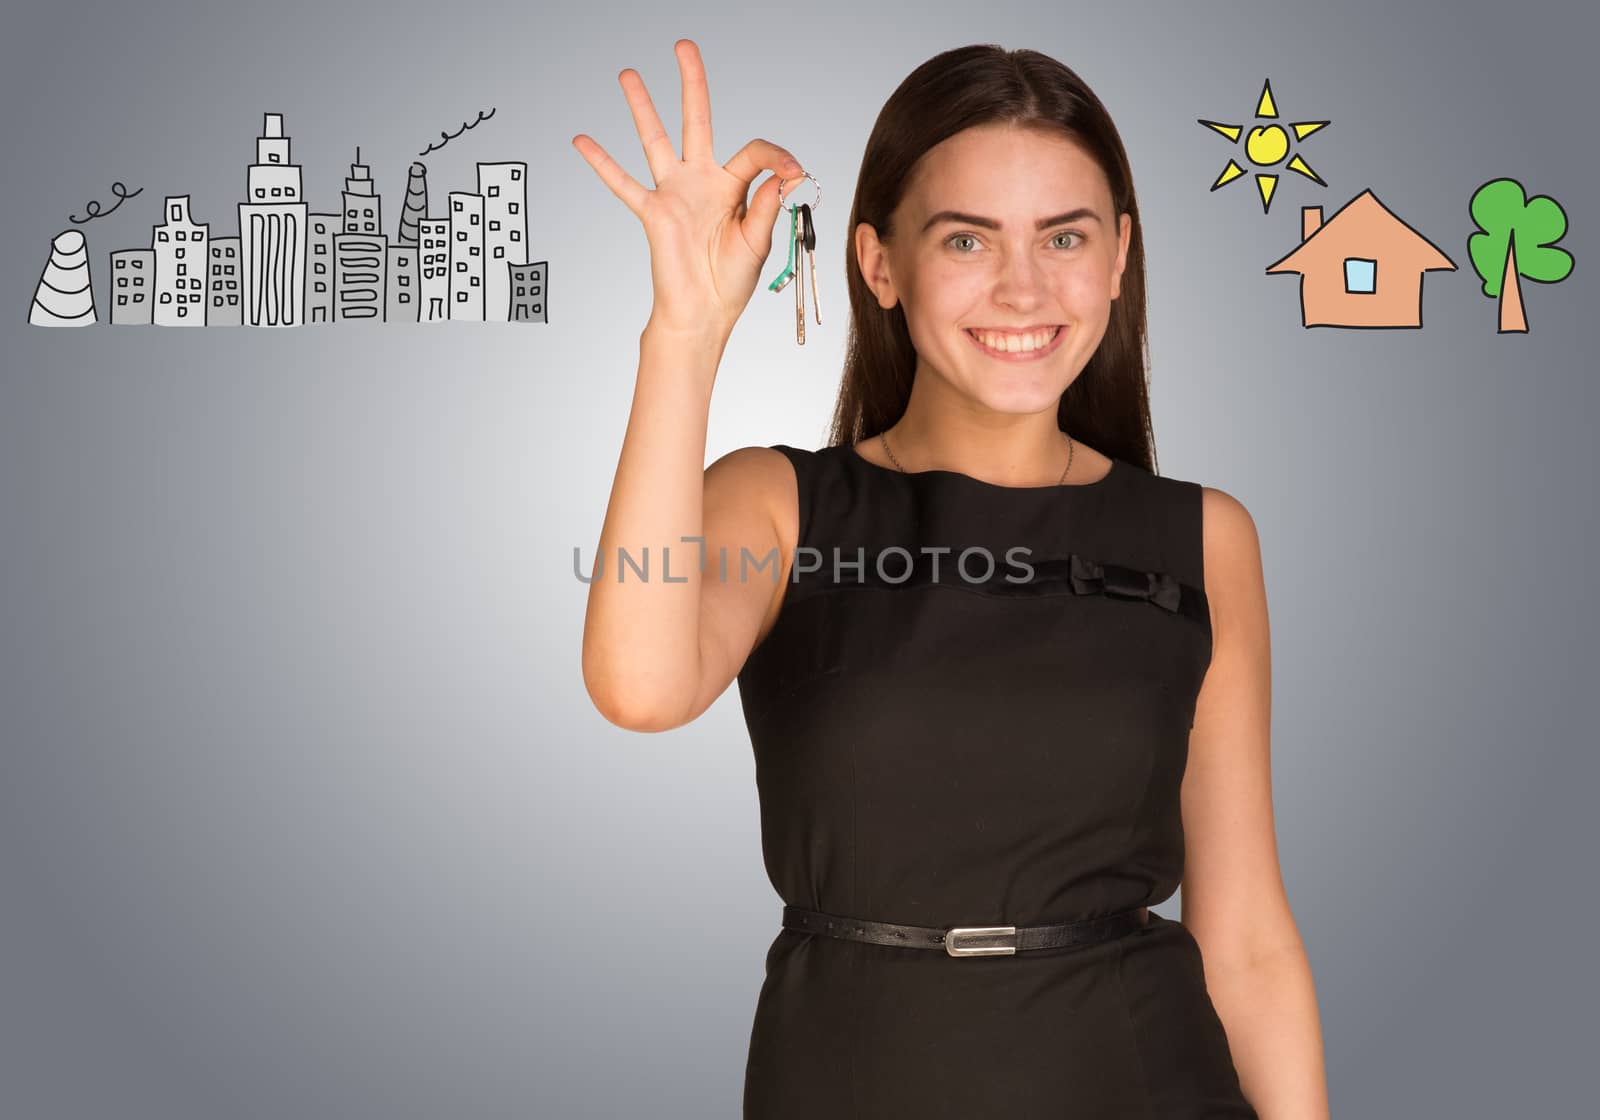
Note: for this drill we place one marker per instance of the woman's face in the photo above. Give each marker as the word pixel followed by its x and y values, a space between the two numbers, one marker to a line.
pixel 992 265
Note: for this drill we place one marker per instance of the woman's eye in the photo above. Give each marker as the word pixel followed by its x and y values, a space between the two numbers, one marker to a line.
pixel 954 239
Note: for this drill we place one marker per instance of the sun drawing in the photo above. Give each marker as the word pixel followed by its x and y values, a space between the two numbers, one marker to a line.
pixel 1267 146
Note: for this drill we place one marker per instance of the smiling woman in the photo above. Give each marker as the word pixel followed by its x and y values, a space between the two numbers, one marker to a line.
pixel 974 786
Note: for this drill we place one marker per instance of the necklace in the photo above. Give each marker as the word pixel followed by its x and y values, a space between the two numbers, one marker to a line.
pixel 883 438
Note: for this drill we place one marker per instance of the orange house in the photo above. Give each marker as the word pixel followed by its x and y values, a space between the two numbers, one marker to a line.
pixel 1361 268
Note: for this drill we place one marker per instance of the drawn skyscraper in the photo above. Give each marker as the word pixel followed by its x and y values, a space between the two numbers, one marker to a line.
pixel 225 308
pixel 182 248
pixel 504 187
pixel 416 207
pixel 132 278
pixel 435 262
pixel 361 249
pixel 64 296
pixel 466 256
pixel 272 233
pixel 319 266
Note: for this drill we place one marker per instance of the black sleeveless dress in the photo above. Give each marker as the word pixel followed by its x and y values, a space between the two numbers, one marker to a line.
pixel 984 737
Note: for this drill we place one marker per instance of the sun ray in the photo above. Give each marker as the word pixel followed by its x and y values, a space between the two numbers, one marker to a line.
pixel 1267 183
pixel 1302 129
pixel 1304 168
pixel 1229 174
pixel 1266 107
pixel 1231 131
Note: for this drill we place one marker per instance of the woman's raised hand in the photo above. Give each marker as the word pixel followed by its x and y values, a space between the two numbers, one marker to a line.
pixel 707 245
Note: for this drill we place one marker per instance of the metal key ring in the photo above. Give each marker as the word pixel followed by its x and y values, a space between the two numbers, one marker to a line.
pixel 817 205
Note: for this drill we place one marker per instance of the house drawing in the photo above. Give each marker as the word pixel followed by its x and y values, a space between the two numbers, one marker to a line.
pixel 1361 268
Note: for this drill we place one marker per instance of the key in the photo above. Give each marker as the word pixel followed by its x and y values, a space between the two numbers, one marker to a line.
pixel 796 250
pixel 787 274
pixel 809 239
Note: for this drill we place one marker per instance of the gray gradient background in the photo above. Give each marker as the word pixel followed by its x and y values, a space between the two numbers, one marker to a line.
pixel 304 811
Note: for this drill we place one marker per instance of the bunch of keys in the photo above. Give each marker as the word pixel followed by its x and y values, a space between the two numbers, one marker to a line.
pixel 802 239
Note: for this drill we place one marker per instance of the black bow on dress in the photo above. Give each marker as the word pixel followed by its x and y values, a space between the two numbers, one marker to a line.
pixel 1090 577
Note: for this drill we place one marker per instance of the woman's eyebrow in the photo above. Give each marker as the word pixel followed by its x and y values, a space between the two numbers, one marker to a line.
pixel 990 223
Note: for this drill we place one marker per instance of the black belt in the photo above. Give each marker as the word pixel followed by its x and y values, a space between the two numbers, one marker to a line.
pixel 969 941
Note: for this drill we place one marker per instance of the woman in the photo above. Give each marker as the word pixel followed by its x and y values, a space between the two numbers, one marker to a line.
pixel 975 778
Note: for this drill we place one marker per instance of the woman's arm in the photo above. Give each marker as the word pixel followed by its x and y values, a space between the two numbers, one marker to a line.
pixel 1233 899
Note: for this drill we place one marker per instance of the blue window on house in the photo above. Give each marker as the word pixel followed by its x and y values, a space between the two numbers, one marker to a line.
pixel 1360 275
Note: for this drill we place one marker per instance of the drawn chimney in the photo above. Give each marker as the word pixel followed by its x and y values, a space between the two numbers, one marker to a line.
pixel 1310 221
pixel 64 296
pixel 416 207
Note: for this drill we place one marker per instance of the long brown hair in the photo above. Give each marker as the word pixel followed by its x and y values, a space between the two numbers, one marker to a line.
pixel 1107 404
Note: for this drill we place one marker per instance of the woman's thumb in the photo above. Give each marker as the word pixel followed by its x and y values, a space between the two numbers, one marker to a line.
pixel 763 215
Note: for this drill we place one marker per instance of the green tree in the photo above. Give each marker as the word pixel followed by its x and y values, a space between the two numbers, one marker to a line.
pixel 1516 237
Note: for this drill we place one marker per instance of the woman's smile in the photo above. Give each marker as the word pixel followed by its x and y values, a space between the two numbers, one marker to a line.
pixel 1028 348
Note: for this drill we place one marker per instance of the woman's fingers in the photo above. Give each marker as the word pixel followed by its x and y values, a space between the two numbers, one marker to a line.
pixel 657 144
pixel 696 102
pixel 759 155
pixel 623 185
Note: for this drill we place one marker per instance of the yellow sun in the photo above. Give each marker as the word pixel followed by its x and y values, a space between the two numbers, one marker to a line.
pixel 1267 146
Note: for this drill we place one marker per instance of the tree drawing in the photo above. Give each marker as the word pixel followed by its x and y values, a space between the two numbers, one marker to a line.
pixel 1515 238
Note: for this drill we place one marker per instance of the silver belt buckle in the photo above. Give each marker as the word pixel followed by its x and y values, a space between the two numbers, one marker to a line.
pixel 986 933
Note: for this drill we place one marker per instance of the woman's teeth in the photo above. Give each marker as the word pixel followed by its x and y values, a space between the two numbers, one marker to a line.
pixel 1015 343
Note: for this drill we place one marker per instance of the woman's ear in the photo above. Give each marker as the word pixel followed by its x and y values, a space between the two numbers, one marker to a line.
pixel 1126 223
pixel 873 260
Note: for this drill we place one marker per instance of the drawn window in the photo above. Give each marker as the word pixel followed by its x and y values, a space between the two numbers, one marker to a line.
pixel 176 211
pixel 182 311
pixel 272 157
pixel 122 281
pixel 461 297
pixel 161 236
pixel 216 270
pixel 457 206
pixel 121 300
pixel 369 212
pixel 321 286
pixel 350 213
pixel 474 219
pixel 404 298
pixel 261 192
pixel 533 291
pixel 276 192
pixel 499 252
pixel 476 249
pixel 166 297
pixel 321 249
pixel 494 191
pixel 476 281
pixel 461 236
pixel 522 291
pixel 1360 275
pixel 232 300
pixel 405 281
pixel 515 206
pixel 138 297
pixel 121 263
pixel 516 235
pixel 137 263
pixel 461 266
pixel 217 302
pixel 516 173
pixel 494 225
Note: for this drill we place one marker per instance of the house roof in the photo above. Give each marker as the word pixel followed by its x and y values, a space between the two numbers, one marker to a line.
pixel 1363 225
